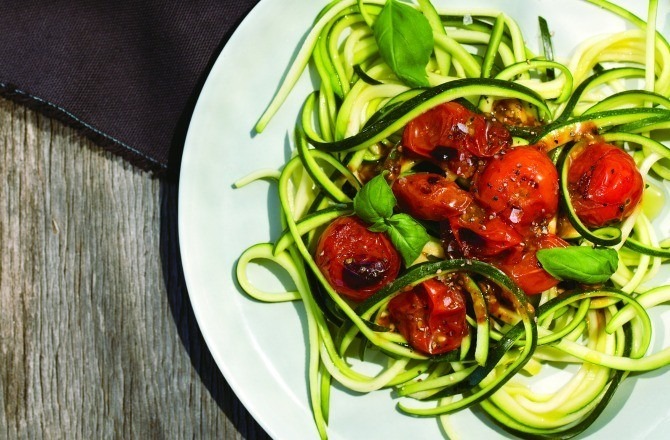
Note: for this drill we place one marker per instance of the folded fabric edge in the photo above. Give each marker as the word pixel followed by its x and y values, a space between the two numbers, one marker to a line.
pixel 115 146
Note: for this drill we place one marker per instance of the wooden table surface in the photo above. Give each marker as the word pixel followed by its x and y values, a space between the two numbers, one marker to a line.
pixel 97 334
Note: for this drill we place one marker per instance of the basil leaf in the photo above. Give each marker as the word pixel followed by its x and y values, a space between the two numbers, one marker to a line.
pixel 408 236
pixel 579 263
pixel 374 204
pixel 405 41
pixel 379 226
pixel 375 201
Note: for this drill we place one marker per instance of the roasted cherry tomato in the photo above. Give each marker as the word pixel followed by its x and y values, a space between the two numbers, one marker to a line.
pixel 429 196
pixel 520 185
pixel 452 125
pixel 356 261
pixel 522 266
pixel 452 134
pixel 479 234
pixel 459 161
pixel 604 184
pixel 431 316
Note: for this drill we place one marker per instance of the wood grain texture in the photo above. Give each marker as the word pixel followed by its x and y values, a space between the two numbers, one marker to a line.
pixel 97 335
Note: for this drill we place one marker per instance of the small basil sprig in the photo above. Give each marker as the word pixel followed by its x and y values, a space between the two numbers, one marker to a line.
pixel 579 263
pixel 405 41
pixel 374 204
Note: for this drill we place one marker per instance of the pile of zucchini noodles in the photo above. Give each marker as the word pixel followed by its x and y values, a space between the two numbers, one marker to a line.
pixel 356 115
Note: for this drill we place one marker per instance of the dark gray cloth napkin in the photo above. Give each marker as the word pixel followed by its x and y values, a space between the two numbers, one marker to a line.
pixel 125 72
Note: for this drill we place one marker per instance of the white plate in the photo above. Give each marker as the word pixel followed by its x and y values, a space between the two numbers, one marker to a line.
pixel 260 348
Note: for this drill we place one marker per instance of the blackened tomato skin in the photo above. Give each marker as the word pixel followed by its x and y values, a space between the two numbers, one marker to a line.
pixel 452 125
pixel 479 234
pixel 430 196
pixel 431 317
pixel 522 266
pixel 520 185
pixel 604 184
pixel 356 261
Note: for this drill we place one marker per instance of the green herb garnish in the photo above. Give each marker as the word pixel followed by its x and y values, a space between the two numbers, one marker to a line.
pixel 374 204
pixel 405 41
pixel 579 263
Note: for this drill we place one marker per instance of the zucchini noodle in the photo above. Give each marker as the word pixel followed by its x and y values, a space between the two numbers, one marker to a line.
pixel 614 87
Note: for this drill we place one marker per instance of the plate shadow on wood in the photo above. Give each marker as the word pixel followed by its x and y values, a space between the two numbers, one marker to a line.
pixel 187 326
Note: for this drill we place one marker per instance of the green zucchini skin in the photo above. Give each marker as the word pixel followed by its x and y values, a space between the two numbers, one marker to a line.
pixel 401 114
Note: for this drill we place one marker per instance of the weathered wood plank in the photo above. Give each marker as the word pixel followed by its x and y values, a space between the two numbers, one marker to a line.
pixel 97 336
